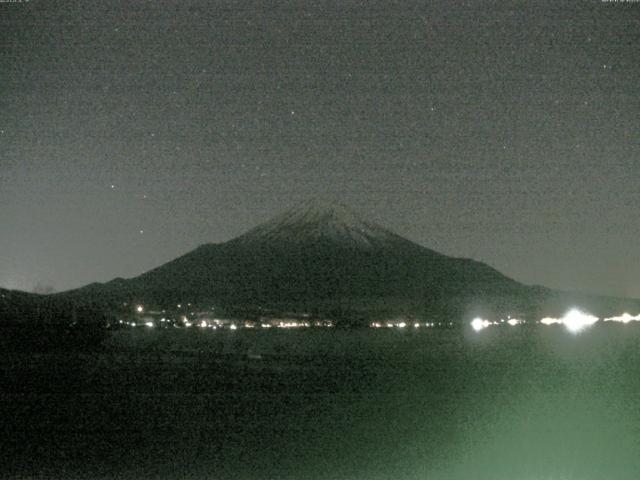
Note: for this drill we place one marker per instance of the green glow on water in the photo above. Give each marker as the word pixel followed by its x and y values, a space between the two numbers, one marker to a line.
pixel 506 404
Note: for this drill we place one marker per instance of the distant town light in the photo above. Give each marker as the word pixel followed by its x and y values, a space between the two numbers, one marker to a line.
pixel 575 320
pixel 478 324
pixel 624 318
pixel 139 309
pixel 550 321
pixel 150 324
pixel 233 326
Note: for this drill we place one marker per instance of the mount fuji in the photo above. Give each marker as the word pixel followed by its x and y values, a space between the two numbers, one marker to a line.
pixel 323 259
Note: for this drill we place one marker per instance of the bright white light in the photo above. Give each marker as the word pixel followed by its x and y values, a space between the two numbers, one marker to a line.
pixel 624 318
pixel 187 324
pixel 203 324
pixel 416 325
pixel 150 324
pixel 233 326
pixel 514 321
pixel 575 320
pixel 286 324
pixel 402 325
pixel 478 324
pixel 550 320
pixel 139 309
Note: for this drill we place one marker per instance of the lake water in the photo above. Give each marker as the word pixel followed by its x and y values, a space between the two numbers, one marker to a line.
pixel 530 403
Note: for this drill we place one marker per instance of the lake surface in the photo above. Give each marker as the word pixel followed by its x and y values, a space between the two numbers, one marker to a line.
pixel 530 403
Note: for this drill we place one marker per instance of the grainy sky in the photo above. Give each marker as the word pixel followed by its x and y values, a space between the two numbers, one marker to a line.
pixel 504 131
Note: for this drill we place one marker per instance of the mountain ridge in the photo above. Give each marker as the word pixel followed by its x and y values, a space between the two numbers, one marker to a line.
pixel 323 258
pixel 317 256
pixel 316 220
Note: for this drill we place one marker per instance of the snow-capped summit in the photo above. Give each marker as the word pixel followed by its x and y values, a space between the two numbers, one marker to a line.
pixel 321 257
pixel 316 219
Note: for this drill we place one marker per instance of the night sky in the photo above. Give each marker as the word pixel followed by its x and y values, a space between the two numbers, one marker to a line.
pixel 507 132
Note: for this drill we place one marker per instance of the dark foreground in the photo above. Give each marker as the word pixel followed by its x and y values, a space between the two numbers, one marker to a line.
pixel 504 404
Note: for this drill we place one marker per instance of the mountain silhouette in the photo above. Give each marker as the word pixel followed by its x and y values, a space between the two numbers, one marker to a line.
pixel 323 259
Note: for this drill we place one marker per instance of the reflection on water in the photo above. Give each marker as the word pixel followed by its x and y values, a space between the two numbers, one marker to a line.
pixel 509 403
